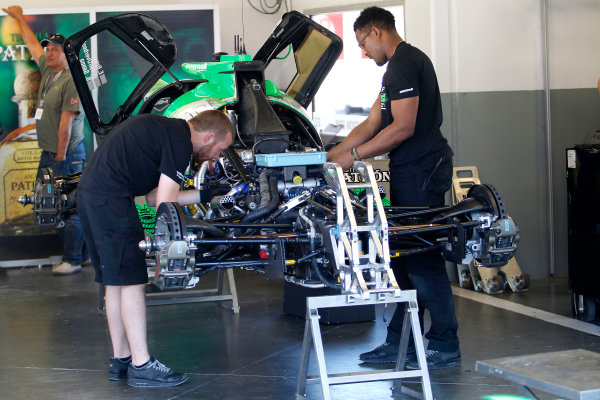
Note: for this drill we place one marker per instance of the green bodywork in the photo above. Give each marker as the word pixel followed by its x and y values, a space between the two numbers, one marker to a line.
pixel 220 91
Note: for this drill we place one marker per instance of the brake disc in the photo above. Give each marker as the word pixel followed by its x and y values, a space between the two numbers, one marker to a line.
pixel 490 196
pixel 170 227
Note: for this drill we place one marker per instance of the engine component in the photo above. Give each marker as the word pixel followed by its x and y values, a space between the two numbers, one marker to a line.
pixel 495 241
pixel 53 199
pixel 173 248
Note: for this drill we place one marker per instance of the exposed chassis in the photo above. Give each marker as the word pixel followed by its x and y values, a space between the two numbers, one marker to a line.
pixel 348 247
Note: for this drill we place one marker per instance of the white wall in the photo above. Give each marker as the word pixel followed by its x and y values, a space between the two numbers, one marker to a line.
pixel 574 43
pixel 487 45
pixel 491 45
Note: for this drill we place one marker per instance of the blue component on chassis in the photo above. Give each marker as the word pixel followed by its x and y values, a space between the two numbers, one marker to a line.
pixel 289 159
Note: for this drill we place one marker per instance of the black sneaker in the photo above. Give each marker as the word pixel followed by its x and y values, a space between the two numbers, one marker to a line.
pixel 117 369
pixel 386 353
pixel 437 360
pixel 154 374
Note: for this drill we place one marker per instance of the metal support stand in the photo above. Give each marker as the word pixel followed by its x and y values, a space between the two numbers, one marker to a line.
pixel 199 295
pixel 312 336
pixel 189 296
pixel 39 262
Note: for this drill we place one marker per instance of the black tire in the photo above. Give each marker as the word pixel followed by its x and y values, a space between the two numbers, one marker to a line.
pixel 585 311
pixel 465 280
pixel 524 278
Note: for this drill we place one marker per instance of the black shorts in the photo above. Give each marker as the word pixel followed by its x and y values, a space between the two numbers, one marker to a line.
pixel 112 230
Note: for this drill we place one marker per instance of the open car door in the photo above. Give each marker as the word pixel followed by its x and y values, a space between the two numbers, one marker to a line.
pixel 298 55
pixel 134 52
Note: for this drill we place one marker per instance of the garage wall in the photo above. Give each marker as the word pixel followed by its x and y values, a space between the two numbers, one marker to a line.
pixel 490 60
pixel 574 35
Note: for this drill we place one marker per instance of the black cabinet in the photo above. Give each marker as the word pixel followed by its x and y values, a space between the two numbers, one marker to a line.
pixel 583 191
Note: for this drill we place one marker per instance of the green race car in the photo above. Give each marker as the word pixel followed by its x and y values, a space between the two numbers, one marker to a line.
pixel 279 207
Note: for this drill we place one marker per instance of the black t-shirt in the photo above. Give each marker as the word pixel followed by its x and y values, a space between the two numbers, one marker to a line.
pixel 131 158
pixel 410 73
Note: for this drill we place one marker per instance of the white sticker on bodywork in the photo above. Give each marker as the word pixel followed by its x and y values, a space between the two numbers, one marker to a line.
pixel 571 159
pixel 146 36
pixel 92 69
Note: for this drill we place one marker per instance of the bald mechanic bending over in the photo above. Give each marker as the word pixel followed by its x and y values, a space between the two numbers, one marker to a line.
pixel 147 154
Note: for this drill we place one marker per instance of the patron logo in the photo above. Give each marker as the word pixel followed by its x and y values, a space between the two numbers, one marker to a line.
pixel 351 176
pixel 14 53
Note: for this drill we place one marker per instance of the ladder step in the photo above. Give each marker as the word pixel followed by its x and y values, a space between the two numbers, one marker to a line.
pixel 370 376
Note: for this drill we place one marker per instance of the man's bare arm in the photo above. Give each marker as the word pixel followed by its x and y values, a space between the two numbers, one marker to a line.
pixel 404 112
pixel 64 133
pixel 167 190
pixel 170 191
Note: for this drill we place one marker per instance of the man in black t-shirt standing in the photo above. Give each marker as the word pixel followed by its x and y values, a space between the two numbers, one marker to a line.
pixel 145 155
pixel 59 128
pixel 405 121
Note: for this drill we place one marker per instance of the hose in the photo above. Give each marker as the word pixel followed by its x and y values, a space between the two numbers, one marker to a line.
pixel 322 278
pixel 206 227
pixel 269 196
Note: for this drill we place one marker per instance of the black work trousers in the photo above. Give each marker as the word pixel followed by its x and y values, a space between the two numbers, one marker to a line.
pixel 425 272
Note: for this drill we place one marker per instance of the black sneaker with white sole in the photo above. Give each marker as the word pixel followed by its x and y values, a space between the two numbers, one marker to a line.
pixel 117 368
pixel 437 360
pixel 154 374
pixel 386 353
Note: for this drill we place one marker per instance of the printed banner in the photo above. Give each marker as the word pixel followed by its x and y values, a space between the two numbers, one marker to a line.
pixel 19 85
pixel 193 31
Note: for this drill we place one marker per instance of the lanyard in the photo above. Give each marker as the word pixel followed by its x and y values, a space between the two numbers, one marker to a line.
pixel 41 102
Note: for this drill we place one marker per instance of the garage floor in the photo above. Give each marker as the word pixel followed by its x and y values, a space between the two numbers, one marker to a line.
pixel 54 344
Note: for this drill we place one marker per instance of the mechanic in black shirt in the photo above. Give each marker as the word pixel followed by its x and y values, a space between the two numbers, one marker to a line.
pixel 405 121
pixel 147 154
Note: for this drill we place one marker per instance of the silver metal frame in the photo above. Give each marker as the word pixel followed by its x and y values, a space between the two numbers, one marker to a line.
pixel 39 262
pixel 312 337
pixel 199 295
pixel 353 256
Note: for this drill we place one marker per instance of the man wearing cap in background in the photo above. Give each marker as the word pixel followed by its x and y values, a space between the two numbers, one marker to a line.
pixel 59 125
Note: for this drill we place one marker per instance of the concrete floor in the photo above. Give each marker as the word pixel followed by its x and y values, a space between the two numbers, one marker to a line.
pixel 55 345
